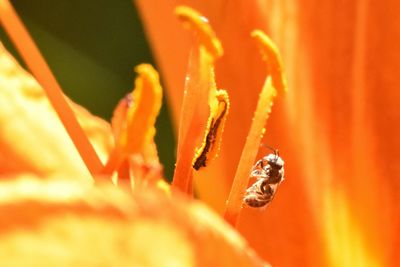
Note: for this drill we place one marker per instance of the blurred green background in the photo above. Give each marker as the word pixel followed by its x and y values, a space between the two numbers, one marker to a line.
pixel 92 47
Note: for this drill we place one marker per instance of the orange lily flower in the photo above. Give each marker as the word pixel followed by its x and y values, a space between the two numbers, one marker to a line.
pixel 337 127
pixel 70 221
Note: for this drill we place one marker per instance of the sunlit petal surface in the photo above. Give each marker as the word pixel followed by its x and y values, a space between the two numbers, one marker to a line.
pixel 63 223
pixel 32 137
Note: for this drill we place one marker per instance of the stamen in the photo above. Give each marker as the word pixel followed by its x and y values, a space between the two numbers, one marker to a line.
pixel 141 117
pixel 134 118
pixel 36 63
pixel 250 150
pixel 204 108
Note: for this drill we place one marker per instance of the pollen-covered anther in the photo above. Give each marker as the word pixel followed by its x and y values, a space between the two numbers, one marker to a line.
pixel 133 121
pixel 273 58
pixel 199 24
pixel 141 114
pixel 209 149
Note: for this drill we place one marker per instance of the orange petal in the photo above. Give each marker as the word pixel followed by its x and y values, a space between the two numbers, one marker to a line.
pixel 337 132
pixel 86 226
pixel 32 139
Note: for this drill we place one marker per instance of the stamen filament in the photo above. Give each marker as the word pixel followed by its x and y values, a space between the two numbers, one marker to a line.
pixel 39 68
pixel 275 79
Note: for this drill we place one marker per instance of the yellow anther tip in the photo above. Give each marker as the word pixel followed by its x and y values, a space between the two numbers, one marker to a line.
pixel 272 56
pixel 267 45
pixel 146 71
pixel 197 22
pixel 222 96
